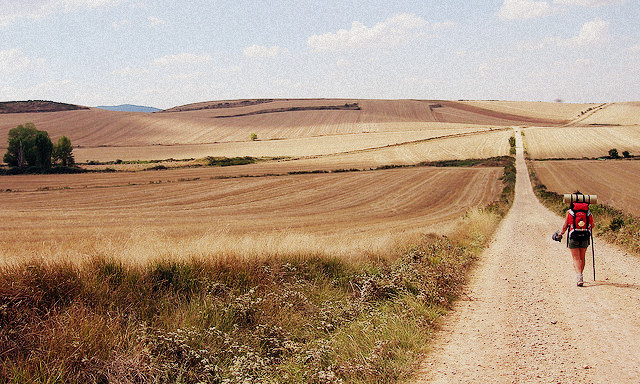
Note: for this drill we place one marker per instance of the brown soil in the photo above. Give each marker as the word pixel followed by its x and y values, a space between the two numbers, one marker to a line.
pixel 524 320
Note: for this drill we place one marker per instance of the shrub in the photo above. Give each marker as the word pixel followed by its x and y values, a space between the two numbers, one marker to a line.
pixel 254 136
pixel 613 153
pixel 626 154
pixel 616 223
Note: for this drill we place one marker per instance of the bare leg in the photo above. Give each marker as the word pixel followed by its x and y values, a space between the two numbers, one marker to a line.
pixel 578 258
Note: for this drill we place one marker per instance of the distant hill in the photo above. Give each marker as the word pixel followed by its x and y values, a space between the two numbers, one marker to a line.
pixel 36 106
pixel 129 108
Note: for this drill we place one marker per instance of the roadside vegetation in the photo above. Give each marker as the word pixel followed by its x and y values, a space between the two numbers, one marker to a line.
pixel 191 317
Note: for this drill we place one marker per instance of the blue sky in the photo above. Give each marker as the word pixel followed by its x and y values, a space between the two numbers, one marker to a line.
pixel 167 53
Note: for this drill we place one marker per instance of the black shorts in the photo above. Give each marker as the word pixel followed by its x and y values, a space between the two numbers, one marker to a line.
pixel 573 244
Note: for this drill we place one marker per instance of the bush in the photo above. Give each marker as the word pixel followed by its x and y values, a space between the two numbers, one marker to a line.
pixel 626 154
pixel 254 137
pixel 228 161
pixel 616 223
pixel 613 153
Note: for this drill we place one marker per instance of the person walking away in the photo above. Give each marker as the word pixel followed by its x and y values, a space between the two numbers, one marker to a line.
pixel 579 222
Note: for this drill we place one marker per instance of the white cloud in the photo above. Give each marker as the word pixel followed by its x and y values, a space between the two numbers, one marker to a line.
pixel 181 59
pixel 155 22
pixel 262 51
pixel 14 10
pixel 523 9
pixel 396 30
pixel 594 32
pixel 443 25
pixel 588 3
pixel 14 61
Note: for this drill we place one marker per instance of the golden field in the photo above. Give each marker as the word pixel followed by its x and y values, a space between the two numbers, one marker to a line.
pixel 579 142
pixel 338 214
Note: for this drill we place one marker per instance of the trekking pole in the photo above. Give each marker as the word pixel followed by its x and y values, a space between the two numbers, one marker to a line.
pixel 593 253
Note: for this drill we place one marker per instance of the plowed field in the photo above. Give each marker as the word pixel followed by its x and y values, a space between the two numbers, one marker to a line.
pixel 338 213
pixel 614 181
pixel 579 142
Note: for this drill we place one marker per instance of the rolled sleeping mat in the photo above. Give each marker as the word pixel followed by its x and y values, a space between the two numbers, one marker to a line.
pixel 580 198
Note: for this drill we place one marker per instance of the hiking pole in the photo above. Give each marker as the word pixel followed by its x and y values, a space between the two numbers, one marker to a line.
pixel 593 253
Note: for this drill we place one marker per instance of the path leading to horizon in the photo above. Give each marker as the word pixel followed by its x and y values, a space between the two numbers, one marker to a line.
pixel 524 320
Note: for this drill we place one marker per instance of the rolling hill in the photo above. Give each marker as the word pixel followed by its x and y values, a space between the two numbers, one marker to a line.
pixel 334 125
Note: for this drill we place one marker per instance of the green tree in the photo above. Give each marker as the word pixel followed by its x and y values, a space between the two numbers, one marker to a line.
pixel 21 149
pixel 43 148
pixel 63 152
pixel 254 137
pixel 28 147
pixel 613 153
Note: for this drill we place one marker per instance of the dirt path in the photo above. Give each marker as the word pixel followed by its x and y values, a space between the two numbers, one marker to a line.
pixel 525 321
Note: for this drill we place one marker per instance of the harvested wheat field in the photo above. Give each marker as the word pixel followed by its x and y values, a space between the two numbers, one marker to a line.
pixel 579 142
pixel 558 112
pixel 613 113
pixel 224 128
pixel 324 213
pixel 391 148
pixel 292 147
pixel 614 181
pixel 462 146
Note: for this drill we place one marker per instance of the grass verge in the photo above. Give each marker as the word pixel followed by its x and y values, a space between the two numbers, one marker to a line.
pixel 297 318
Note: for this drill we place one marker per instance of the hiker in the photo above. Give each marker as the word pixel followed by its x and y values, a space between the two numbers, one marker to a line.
pixel 579 222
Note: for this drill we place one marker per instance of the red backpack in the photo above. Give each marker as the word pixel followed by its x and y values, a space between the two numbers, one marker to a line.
pixel 579 230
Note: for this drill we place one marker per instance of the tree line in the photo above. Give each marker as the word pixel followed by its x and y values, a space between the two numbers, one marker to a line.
pixel 30 147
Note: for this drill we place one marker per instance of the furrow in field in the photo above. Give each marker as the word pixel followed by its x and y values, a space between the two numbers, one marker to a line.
pixel 349 207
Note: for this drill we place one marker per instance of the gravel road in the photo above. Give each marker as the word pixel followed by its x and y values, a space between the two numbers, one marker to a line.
pixel 524 320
